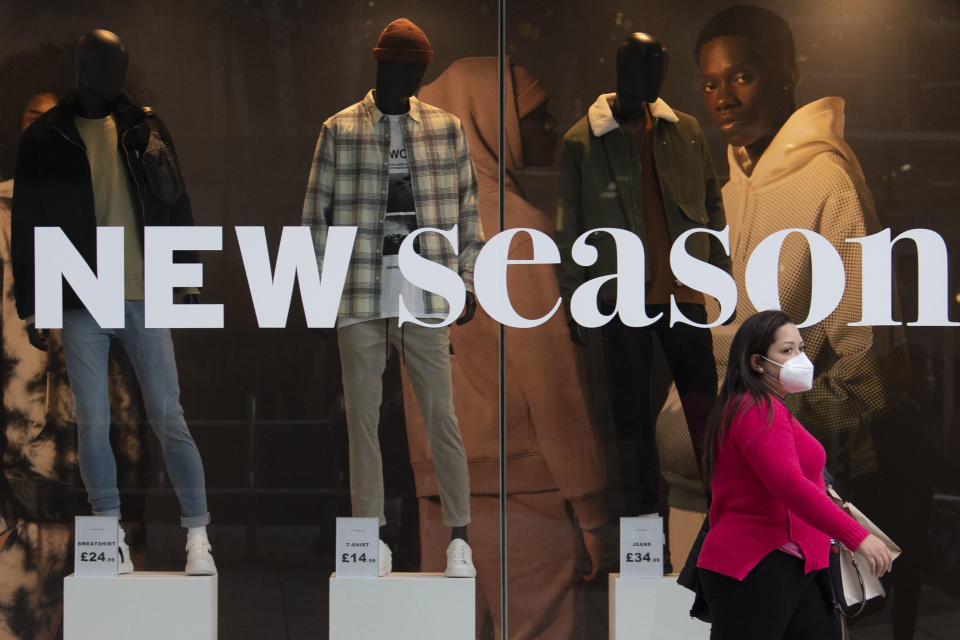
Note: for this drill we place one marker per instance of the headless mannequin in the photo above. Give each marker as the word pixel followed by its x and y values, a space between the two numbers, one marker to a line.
pixel 396 82
pixel 641 68
pixel 102 60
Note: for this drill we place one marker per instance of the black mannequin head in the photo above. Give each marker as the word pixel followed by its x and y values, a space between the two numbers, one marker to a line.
pixel 641 68
pixel 397 81
pixel 101 70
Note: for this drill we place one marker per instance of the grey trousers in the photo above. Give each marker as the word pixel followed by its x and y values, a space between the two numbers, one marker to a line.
pixel 426 356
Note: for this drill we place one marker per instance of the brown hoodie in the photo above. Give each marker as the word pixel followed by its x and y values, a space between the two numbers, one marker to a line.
pixel 550 442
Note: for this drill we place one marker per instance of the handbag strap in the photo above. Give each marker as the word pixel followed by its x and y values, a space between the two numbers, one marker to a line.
pixel 863 588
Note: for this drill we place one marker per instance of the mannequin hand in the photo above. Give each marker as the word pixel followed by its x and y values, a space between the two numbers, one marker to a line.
pixel 877 554
pixel 37 337
pixel 192 298
pixel 578 334
pixel 469 308
pixel 594 546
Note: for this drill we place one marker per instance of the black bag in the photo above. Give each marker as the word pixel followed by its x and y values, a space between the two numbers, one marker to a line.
pixel 690 575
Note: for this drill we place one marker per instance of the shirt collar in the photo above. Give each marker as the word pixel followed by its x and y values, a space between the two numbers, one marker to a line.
pixel 602 121
pixel 376 115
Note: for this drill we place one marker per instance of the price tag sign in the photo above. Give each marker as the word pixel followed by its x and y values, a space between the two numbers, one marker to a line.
pixel 95 546
pixel 641 547
pixel 358 547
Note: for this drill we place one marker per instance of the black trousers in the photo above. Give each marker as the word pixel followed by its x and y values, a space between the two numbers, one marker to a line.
pixel 776 601
pixel 628 352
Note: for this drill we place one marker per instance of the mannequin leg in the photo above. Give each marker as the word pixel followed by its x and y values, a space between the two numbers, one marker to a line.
pixel 362 361
pixel 426 352
pixel 689 352
pixel 626 354
pixel 85 350
pixel 152 357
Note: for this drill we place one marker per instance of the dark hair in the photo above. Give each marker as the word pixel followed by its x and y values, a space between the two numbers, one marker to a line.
pixel 742 387
pixel 768 35
pixel 48 68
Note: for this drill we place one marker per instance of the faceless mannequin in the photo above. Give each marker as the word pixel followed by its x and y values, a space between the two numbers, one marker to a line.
pixel 641 68
pixel 101 70
pixel 102 61
pixel 397 81
pixel 96 169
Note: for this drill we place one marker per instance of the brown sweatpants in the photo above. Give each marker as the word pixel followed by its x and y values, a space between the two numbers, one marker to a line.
pixel 542 547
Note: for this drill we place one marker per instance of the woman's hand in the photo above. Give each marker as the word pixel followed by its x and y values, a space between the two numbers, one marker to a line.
pixel 877 554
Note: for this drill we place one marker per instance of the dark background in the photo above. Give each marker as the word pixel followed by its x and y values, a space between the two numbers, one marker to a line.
pixel 244 86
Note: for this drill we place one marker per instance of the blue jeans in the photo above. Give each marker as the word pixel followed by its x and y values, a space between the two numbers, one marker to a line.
pixel 86 347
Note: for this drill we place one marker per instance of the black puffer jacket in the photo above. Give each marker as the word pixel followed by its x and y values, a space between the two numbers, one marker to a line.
pixel 53 187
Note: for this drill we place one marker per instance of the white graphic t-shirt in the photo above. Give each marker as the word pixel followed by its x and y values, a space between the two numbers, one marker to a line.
pixel 399 222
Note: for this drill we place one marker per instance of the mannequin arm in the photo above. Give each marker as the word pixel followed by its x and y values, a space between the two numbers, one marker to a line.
pixel 318 202
pixel 469 226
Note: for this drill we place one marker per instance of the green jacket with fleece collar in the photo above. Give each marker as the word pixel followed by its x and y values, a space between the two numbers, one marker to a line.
pixel 601 186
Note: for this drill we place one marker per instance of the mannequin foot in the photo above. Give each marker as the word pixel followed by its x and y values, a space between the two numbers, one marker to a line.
pixel 199 559
pixel 386 560
pixel 460 560
pixel 125 561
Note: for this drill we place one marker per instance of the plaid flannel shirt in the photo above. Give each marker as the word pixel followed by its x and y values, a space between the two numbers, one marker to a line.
pixel 348 186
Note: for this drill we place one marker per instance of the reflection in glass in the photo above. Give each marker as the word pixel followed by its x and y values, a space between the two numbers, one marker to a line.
pixel 555 474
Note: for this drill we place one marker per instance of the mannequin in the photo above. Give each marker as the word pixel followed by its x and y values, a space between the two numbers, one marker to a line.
pixel 89 158
pixel 102 61
pixel 403 187
pixel 663 183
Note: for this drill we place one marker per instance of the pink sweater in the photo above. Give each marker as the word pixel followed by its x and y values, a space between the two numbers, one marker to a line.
pixel 768 490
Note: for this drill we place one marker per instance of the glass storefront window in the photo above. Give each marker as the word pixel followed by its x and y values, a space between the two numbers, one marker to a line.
pixel 573 143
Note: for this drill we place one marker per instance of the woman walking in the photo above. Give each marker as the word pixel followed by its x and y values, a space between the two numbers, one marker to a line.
pixel 770 520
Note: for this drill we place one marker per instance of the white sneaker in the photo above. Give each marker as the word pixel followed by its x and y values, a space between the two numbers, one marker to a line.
pixel 125 562
pixel 460 560
pixel 385 559
pixel 199 558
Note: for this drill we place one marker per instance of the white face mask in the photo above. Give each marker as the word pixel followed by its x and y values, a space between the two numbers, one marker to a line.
pixel 796 374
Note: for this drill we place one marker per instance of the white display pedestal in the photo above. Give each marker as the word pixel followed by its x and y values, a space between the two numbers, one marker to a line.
pixel 652 609
pixel 146 605
pixel 403 606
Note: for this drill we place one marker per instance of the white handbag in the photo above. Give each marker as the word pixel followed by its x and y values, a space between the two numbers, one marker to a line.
pixel 851 580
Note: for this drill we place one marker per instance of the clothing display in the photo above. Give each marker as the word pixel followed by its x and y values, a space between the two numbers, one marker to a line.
pixel 601 185
pixel 554 465
pixel 441 179
pixel 55 188
pixel 363 358
pixel 386 198
pixel 85 345
pixel 657 180
pixel 424 269
pixel 112 196
pixel 59 184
